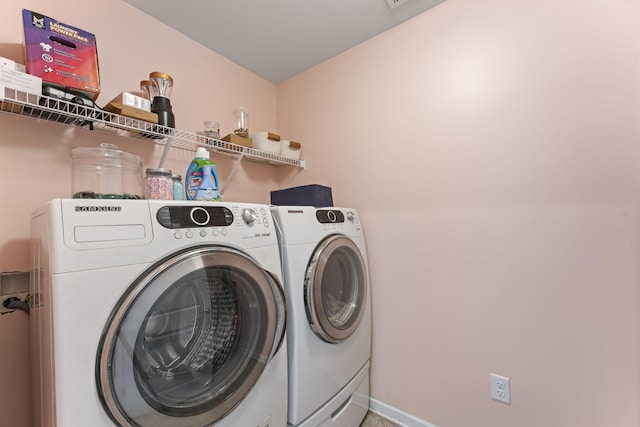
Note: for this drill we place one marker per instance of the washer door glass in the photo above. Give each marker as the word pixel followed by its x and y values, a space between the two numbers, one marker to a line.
pixel 189 340
pixel 335 288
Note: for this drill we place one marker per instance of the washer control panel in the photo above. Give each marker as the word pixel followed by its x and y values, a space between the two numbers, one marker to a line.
pixel 249 215
pixel 173 217
pixel 253 216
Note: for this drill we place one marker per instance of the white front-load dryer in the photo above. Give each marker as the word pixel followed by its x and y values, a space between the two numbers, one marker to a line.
pixel 157 313
pixel 324 264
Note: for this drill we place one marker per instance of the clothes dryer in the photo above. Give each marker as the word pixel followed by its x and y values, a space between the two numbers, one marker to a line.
pixel 326 283
pixel 153 313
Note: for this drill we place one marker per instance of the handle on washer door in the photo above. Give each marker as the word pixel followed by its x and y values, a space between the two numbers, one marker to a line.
pixel 281 306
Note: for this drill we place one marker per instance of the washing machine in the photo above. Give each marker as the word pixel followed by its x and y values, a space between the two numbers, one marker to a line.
pixel 157 314
pixel 324 264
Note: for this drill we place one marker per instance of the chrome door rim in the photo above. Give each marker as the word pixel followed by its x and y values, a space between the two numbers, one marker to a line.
pixel 316 313
pixel 170 270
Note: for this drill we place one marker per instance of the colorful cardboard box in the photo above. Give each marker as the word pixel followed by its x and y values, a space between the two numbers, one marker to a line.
pixel 61 55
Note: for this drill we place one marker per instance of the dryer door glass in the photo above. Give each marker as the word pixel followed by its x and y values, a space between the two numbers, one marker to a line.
pixel 190 339
pixel 336 288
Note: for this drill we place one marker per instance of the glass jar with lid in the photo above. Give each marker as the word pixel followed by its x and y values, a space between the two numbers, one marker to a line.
pixel 105 172
pixel 158 184
pixel 178 187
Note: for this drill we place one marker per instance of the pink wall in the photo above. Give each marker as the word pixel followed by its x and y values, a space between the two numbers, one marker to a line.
pixel 15 385
pixel 34 155
pixel 492 150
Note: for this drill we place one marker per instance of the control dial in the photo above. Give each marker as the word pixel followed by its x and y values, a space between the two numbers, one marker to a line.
pixel 249 215
pixel 351 216
pixel 200 216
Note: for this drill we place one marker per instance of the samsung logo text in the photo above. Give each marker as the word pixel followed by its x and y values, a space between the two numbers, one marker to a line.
pixel 98 209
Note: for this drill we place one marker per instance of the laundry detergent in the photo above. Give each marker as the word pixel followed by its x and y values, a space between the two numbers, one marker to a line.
pixel 202 179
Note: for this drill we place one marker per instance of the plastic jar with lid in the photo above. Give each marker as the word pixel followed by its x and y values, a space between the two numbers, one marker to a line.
pixel 178 188
pixel 158 184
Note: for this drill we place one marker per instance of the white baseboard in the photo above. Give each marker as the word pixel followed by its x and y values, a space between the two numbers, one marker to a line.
pixel 395 415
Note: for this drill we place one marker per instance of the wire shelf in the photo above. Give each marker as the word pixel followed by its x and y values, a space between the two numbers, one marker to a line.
pixel 75 114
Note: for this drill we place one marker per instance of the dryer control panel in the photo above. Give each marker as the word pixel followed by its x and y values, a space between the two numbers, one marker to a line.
pixel 332 216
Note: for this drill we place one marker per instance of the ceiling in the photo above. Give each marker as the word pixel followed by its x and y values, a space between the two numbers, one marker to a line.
pixel 277 39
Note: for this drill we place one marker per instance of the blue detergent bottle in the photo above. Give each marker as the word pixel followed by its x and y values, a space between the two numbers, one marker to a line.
pixel 202 179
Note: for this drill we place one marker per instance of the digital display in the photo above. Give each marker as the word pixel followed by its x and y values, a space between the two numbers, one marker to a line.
pixel 329 216
pixel 194 216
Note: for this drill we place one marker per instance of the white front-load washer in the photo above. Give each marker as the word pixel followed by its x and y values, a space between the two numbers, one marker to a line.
pixel 324 265
pixel 157 313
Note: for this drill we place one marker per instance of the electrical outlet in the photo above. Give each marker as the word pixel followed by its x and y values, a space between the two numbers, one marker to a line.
pixel 500 388
pixel 266 422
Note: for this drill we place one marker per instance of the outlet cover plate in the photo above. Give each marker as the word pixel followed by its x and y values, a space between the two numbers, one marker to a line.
pixel 500 388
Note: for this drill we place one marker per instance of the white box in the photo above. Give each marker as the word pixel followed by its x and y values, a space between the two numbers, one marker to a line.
pixel 23 82
pixel 6 62
pixel 290 149
pixel 132 100
pixel 261 141
pixel 10 63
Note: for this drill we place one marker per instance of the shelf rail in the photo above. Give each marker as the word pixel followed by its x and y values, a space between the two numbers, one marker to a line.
pixel 76 114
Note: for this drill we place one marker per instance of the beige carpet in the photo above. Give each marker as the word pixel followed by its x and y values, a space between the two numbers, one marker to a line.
pixel 374 420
